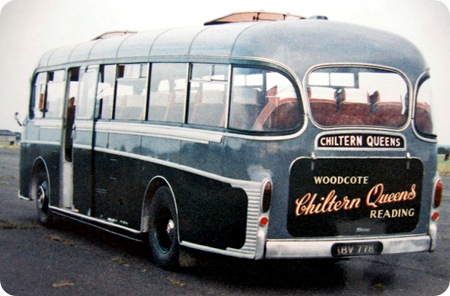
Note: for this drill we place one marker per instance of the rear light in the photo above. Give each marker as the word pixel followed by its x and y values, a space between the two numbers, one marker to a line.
pixel 267 197
pixel 438 193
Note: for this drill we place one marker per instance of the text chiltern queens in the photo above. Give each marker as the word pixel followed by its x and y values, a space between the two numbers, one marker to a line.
pixel 376 196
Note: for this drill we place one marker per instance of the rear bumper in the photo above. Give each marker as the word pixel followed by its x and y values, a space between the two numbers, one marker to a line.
pixel 291 249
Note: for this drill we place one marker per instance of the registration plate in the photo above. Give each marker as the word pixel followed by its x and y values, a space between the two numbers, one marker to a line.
pixel 356 249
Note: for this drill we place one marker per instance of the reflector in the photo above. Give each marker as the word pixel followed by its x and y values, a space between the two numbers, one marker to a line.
pixel 435 216
pixel 263 221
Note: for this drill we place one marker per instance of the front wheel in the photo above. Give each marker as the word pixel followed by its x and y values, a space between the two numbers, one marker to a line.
pixel 40 192
pixel 163 230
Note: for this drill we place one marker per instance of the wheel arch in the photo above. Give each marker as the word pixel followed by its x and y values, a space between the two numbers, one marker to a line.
pixel 39 165
pixel 154 184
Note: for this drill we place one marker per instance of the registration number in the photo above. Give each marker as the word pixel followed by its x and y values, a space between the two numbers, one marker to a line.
pixel 356 249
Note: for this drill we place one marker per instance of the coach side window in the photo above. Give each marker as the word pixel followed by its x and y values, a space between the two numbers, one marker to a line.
pixel 131 91
pixel 208 94
pixel 167 92
pixel 263 101
pixel 55 94
pixel 74 78
pixel 105 90
pixel 86 93
pixel 38 98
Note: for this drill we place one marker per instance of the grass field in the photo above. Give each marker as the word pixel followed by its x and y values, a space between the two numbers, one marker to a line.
pixel 4 145
pixel 443 166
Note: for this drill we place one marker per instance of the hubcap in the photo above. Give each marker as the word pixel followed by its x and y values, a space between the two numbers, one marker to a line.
pixel 41 197
pixel 164 226
pixel 170 227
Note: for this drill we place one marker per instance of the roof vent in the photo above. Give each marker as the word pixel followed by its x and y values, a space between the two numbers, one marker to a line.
pixel 318 17
pixel 113 34
pixel 254 16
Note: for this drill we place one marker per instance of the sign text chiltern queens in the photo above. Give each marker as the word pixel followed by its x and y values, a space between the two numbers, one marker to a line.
pixel 311 204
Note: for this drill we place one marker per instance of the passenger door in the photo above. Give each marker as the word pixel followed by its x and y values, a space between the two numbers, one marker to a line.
pixel 79 135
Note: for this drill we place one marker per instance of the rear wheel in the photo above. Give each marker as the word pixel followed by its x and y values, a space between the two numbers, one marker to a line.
pixel 40 192
pixel 163 230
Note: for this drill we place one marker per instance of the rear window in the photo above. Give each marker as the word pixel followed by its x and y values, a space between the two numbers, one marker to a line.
pixel 348 96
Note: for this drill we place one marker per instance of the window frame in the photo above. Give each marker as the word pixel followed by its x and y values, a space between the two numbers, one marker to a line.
pixel 167 120
pixel 295 88
pixel 63 83
pixel 37 106
pixel 193 104
pixel 100 102
pixel 89 103
pixel 145 89
pixel 370 68
pixel 424 79
pixel 185 91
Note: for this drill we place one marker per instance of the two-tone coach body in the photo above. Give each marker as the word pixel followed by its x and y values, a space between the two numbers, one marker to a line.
pixel 290 139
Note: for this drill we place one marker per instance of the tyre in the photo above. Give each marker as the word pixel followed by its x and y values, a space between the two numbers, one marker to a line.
pixel 40 192
pixel 163 230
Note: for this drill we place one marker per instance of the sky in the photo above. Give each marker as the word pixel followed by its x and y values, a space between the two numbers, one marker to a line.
pixel 28 28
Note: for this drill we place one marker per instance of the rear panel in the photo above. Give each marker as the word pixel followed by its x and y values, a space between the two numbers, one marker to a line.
pixel 351 196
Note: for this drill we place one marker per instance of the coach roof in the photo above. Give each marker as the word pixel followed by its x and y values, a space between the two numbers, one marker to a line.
pixel 297 44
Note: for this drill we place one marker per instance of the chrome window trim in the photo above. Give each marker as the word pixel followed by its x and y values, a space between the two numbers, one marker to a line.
pixel 152 130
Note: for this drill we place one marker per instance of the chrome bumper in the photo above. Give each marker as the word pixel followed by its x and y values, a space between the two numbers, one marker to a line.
pixel 291 249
